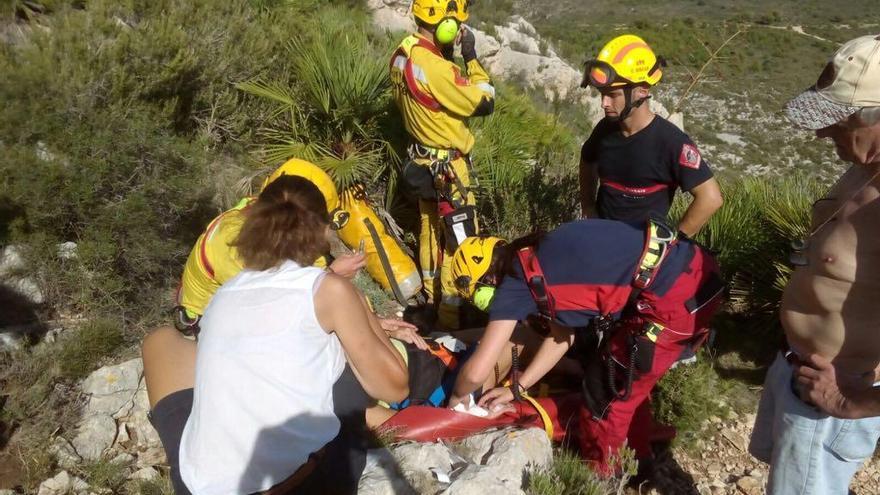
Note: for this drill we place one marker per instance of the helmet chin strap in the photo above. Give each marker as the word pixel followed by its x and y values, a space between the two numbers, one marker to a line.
pixel 629 104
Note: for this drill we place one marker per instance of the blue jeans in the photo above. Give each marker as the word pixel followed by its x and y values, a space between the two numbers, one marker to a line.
pixel 809 452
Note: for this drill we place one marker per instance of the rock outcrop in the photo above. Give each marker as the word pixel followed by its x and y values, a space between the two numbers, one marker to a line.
pixel 516 52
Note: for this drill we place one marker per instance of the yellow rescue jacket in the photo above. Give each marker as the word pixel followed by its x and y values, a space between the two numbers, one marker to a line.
pixel 214 260
pixel 434 97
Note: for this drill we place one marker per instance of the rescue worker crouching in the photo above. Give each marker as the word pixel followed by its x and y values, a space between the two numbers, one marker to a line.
pixel 625 299
pixel 214 259
pixel 435 99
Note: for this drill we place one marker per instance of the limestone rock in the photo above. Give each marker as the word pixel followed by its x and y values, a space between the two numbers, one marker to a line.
pixel 152 456
pixel 112 388
pixel 64 453
pixel 123 458
pixel 12 266
pixel 96 434
pixel 145 474
pixel 138 426
pixel 61 484
pixel 749 485
pixel 67 250
pixel 416 460
pixel 482 480
pixel 515 451
pixel 382 476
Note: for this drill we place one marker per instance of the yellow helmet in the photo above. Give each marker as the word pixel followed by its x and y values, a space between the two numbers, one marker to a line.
pixel 626 60
pixel 320 179
pixel 471 262
pixel 432 12
pixel 462 10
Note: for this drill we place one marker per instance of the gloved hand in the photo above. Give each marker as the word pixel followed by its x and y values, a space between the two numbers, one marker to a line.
pixel 468 44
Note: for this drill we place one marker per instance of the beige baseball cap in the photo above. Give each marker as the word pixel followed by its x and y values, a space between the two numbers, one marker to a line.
pixel 850 82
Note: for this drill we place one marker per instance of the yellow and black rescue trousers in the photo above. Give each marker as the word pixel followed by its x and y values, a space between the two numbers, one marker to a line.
pixel 436 99
pixel 435 253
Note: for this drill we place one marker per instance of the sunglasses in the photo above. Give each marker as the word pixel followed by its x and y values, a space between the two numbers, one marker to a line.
pixel 601 74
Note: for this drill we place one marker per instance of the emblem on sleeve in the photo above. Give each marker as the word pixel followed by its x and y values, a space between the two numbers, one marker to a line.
pixel 690 157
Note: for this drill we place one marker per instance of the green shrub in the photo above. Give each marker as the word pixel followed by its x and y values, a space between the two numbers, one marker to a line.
pixel 81 351
pixel 526 165
pixel 104 475
pixel 335 111
pixel 687 396
pixel 751 235
pixel 123 130
pixel 161 486
pixel 568 475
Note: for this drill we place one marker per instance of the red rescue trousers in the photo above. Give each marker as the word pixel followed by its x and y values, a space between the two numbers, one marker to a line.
pixel 630 421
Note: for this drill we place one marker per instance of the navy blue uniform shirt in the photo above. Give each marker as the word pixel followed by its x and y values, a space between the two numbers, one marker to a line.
pixel 639 174
pixel 595 260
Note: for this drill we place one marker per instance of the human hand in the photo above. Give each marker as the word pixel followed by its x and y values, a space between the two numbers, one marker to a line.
pixel 496 401
pixel 401 330
pixel 818 383
pixel 468 44
pixel 347 265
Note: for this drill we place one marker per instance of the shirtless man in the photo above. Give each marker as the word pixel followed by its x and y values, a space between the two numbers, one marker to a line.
pixel 806 426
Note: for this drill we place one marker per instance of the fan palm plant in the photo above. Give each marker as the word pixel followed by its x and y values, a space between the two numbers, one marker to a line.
pixel 751 236
pixel 516 148
pixel 332 109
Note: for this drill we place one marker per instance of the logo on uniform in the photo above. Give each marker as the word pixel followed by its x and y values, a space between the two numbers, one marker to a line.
pixel 690 157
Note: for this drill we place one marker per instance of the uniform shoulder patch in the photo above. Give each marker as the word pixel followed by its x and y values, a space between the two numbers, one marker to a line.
pixel 690 157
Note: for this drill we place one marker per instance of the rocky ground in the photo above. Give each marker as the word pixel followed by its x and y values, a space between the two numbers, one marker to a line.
pixel 114 427
pixel 719 464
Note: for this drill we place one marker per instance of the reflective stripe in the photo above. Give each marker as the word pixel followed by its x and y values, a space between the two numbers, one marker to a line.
pixel 487 88
pixel 653 331
pixel 638 191
pixel 413 74
pixel 428 275
pixel 419 73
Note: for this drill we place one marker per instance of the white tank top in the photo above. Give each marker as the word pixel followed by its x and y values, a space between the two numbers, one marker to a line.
pixel 264 379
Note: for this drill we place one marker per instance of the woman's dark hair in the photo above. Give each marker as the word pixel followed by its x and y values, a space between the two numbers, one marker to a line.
pixel 504 255
pixel 288 221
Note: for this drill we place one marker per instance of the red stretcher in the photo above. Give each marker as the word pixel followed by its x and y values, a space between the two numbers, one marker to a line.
pixel 428 424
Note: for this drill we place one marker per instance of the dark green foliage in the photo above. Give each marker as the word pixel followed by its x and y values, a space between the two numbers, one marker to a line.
pixel 525 162
pixel 118 123
pixel 752 234
pixel 335 110
pixel 688 395
pixel 105 474
pixel 94 341
pixel 568 475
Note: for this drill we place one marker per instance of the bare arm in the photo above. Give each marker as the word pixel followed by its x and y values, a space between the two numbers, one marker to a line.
pixel 589 182
pixel 707 200
pixel 552 349
pixel 477 369
pixel 377 366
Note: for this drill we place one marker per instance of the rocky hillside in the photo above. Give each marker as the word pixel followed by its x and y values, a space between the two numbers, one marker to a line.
pixel 516 53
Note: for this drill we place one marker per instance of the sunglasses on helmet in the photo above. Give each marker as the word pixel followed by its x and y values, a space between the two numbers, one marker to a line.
pixel 602 75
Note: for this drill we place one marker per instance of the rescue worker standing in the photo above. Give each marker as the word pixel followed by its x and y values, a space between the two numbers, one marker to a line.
pixel 633 162
pixel 435 99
